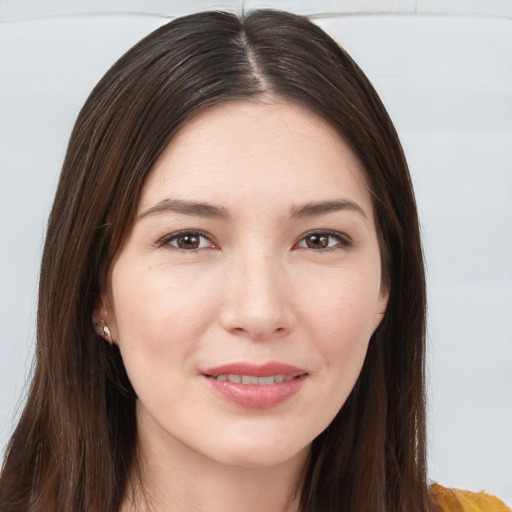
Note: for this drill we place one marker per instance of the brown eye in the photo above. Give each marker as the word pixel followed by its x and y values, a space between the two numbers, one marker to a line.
pixel 187 241
pixel 324 241
pixel 317 241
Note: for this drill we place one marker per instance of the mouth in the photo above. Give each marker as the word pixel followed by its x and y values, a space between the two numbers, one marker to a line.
pixel 256 386
pixel 255 374
pixel 252 379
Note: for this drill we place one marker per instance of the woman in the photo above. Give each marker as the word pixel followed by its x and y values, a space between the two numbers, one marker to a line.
pixel 232 300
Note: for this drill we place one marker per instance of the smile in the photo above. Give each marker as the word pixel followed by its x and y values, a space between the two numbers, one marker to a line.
pixel 252 379
pixel 256 386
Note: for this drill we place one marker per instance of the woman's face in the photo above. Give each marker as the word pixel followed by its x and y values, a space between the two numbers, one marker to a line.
pixel 245 296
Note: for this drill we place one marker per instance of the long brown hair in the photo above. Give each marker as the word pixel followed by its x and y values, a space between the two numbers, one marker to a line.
pixel 75 443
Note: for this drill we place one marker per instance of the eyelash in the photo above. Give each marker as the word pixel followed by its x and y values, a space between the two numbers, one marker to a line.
pixel 167 240
pixel 343 242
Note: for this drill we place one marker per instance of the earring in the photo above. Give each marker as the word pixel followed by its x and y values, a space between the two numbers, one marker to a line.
pixel 104 332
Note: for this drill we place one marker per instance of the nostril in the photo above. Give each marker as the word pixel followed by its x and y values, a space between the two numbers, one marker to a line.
pixel 258 331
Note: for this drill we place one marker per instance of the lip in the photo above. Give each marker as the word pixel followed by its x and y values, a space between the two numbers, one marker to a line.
pixel 260 396
pixel 257 370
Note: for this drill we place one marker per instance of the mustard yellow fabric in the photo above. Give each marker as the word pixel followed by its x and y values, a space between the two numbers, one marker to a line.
pixel 455 500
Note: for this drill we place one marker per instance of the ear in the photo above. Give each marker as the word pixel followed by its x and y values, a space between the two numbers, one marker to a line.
pixel 103 318
pixel 382 303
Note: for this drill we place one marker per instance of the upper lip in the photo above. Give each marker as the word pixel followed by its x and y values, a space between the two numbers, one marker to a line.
pixel 256 370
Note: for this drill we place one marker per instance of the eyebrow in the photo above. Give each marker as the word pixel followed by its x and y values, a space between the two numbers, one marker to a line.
pixel 321 207
pixel 191 208
pixel 199 209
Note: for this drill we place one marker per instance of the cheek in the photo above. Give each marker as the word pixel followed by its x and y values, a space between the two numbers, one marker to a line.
pixel 342 317
pixel 339 319
pixel 350 300
pixel 159 313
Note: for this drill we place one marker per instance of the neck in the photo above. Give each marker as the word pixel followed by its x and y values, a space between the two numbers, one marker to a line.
pixel 172 476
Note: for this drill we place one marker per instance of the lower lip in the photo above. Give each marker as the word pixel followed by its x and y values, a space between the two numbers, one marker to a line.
pixel 256 396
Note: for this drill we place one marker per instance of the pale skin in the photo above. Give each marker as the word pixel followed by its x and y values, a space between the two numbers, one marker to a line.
pixel 255 242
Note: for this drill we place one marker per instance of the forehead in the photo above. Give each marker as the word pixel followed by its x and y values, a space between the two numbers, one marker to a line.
pixel 243 153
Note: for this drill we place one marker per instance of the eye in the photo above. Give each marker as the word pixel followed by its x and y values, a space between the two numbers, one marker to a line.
pixel 324 241
pixel 187 241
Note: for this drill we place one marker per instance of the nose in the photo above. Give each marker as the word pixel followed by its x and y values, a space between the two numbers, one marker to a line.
pixel 257 303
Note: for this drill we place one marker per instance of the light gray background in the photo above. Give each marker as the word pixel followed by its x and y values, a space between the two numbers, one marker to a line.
pixel 444 70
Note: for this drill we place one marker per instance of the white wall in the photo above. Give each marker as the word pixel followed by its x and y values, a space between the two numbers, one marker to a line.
pixel 443 68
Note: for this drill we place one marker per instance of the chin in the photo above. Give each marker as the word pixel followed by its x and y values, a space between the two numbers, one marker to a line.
pixel 262 456
pixel 261 449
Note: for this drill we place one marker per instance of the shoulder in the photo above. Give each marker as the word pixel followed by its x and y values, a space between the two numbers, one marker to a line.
pixel 456 500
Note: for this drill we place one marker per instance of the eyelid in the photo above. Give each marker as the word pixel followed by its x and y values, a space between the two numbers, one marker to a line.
pixel 344 241
pixel 165 241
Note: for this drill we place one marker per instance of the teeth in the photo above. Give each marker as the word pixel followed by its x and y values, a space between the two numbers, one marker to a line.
pixel 251 379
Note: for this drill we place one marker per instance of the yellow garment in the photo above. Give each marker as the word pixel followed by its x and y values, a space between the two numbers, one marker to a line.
pixel 455 500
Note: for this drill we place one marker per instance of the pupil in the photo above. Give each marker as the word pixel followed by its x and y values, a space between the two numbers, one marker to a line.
pixel 317 242
pixel 188 242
